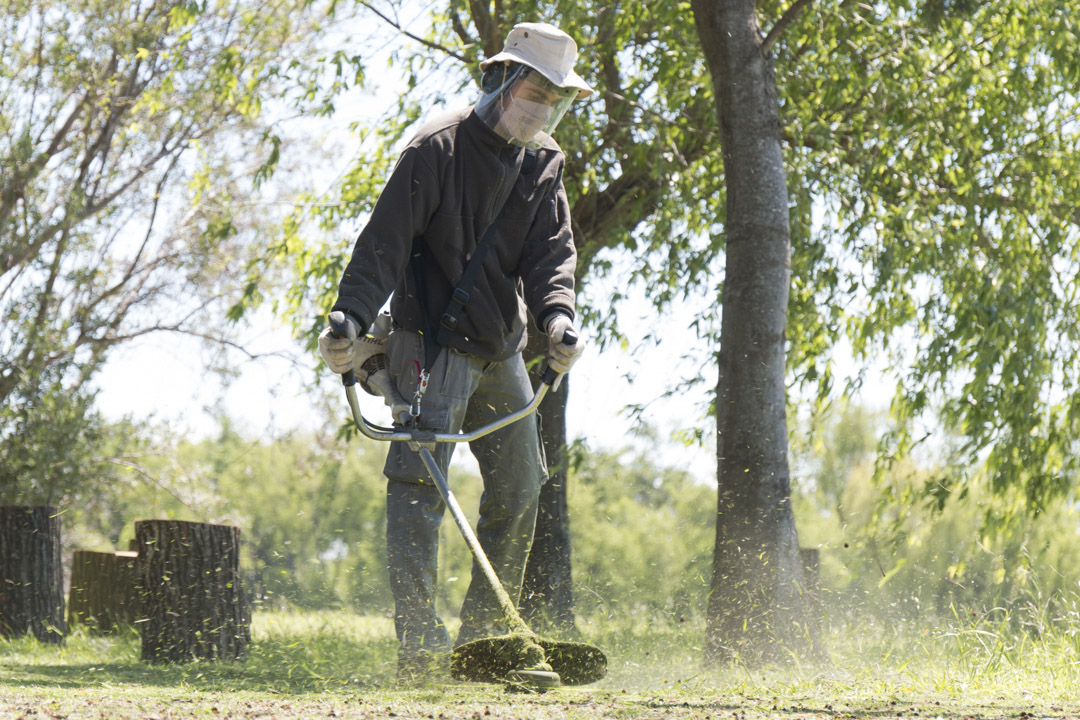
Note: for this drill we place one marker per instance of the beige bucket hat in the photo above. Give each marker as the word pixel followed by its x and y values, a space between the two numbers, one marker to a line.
pixel 545 48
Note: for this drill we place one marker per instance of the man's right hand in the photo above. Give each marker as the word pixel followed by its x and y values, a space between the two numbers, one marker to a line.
pixel 338 352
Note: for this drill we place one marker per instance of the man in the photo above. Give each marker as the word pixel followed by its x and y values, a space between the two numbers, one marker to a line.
pixel 490 175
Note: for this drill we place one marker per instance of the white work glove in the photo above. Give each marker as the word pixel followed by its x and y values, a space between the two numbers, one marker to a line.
pixel 562 356
pixel 339 352
pixel 365 355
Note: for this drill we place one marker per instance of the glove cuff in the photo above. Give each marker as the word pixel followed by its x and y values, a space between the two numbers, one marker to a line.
pixel 550 317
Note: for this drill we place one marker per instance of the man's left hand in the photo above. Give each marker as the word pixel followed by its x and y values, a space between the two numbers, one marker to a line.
pixel 561 356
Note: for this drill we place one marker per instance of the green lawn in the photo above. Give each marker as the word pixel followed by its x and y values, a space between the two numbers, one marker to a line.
pixel 342 665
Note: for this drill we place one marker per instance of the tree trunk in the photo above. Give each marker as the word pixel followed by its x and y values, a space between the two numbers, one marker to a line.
pixel 192 604
pixel 31 574
pixel 547 596
pixel 102 595
pixel 754 610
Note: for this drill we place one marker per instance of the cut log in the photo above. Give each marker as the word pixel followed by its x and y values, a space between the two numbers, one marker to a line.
pixel 192 605
pixel 31 574
pixel 102 596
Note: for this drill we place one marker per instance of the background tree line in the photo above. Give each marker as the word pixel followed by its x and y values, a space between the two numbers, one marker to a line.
pixel 313 524
pixel 313 518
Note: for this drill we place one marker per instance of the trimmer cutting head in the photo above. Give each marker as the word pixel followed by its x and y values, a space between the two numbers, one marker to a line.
pixel 506 657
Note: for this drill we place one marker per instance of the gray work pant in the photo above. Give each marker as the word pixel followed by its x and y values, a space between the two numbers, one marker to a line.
pixel 464 392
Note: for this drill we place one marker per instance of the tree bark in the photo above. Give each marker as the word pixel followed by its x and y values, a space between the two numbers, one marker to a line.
pixel 31 574
pixel 754 609
pixel 547 595
pixel 102 596
pixel 192 604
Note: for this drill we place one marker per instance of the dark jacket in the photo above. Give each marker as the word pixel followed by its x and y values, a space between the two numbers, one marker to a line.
pixel 444 190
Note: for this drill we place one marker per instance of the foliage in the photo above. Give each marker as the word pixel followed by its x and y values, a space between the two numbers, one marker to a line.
pixel 887 550
pixel 641 536
pixel 941 151
pixel 48 456
pixel 312 515
pixel 129 138
pixel 931 154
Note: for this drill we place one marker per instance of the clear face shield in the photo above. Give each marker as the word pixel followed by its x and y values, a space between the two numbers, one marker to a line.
pixel 522 105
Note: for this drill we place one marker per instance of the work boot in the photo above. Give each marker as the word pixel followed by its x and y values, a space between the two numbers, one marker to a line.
pixel 422 668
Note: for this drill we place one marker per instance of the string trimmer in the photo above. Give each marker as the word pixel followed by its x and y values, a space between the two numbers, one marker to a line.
pixel 521 658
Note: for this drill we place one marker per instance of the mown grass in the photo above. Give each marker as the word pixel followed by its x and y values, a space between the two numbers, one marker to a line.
pixel 1020 663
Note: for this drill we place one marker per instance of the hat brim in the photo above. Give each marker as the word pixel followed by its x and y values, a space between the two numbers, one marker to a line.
pixel 570 80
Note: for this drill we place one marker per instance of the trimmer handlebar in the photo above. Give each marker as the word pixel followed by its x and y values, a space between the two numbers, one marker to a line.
pixel 551 376
pixel 339 329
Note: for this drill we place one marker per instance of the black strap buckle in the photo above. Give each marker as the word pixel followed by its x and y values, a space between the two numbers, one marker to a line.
pixel 460 296
pixel 448 321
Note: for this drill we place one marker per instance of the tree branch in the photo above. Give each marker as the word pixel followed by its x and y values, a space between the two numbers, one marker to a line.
pixel 786 19
pixel 12 190
pixel 615 102
pixel 459 27
pixel 427 43
pixel 485 25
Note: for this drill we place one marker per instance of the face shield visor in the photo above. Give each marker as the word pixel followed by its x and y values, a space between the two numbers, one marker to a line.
pixel 522 105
